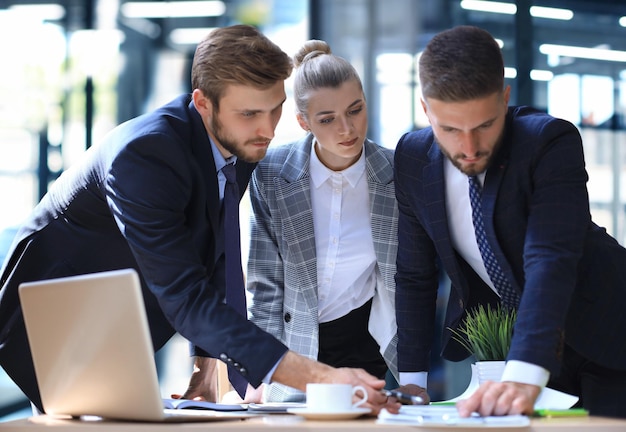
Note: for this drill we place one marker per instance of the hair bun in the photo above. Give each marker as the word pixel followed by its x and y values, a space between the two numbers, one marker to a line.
pixel 309 50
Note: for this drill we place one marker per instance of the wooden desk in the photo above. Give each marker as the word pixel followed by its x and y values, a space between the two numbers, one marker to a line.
pixel 293 423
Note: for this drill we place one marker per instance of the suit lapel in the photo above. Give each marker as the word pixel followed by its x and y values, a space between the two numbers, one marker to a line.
pixel 382 195
pixel 293 190
pixel 493 180
pixel 435 202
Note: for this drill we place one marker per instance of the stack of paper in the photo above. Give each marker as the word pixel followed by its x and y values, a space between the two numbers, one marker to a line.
pixel 441 415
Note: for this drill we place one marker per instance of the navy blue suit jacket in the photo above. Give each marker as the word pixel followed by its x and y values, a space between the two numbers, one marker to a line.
pixel 147 198
pixel 571 273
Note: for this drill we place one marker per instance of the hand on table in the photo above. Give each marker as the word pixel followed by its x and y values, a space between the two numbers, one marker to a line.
pixel 376 400
pixel 203 381
pixel 253 395
pixel 500 398
pixel 297 371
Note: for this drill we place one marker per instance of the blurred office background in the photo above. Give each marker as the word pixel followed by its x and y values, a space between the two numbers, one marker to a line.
pixel 73 69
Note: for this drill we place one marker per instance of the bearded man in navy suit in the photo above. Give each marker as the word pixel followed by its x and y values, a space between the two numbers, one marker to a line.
pixel 568 273
pixel 149 197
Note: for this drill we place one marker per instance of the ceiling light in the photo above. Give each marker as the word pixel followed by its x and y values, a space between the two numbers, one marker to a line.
pixel 173 9
pixel 43 12
pixel 541 75
pixel 511 9
pixel 535 74
pixel 489 6
pixel 510 72
pixel 551 13
pixel 582 52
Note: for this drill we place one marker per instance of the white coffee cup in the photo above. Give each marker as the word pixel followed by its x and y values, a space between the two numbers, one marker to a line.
pixel 333 397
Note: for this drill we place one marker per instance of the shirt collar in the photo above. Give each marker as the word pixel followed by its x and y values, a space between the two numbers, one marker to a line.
pixel 320 173
pixel 220 161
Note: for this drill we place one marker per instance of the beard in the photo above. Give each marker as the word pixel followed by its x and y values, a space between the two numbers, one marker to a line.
pixel 473 169
pixel 470 170
pixel 233 146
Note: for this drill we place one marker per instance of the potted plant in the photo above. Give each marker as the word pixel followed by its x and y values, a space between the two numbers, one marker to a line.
pixel 486 333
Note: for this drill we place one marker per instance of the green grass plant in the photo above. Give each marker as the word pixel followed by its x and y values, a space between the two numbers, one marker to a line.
pixel 486 332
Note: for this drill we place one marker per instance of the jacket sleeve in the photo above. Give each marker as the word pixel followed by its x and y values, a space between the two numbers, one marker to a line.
pixel 557 217
pixel 417 272
pixel 265 278
pixel 157 195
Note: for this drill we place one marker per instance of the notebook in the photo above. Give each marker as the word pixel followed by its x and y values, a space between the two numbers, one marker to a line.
pixel 92 350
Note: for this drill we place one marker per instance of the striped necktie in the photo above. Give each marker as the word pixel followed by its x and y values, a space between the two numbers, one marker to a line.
pixel 508 294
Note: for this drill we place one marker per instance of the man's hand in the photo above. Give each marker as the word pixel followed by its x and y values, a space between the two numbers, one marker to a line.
pixel 296 371
pixel 500 398
pixel 203 381
pixel 415 390
pixel 376 400
pixel 253 395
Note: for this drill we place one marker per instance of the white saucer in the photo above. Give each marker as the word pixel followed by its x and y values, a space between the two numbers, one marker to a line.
pixel 317 415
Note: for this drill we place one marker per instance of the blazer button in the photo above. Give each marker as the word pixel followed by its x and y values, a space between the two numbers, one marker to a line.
pixel 287 317
pixel 225 358
pixel 243 371
pixel 461 304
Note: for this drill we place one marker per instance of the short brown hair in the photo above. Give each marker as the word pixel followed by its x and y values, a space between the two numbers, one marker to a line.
pixel 461 64
pixel 238 54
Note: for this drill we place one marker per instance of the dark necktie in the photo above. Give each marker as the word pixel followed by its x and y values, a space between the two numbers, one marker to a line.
pixel 235 290
pixel 508 294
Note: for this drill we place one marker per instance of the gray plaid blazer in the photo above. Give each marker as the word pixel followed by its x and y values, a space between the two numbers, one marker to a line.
pixel 282 264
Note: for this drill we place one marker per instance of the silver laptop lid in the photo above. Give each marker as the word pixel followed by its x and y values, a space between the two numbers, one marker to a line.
pixel 91 346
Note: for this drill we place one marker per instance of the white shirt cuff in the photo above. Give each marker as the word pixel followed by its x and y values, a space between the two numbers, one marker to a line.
pixel 268 378
pixel 525 373
pixel 417 378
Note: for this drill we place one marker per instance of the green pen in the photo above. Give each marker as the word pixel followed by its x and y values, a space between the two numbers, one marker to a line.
pixel 572 412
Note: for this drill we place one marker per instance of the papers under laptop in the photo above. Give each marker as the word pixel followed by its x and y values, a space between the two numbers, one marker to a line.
pixel 92 350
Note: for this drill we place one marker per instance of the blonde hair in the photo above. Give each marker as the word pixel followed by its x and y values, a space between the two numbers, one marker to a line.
pixel 317 67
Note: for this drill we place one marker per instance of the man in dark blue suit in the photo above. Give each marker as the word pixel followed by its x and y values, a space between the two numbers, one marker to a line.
pixel 567 275
pixel 149 198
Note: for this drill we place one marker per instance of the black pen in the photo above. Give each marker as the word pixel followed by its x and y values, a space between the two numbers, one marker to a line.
pixel 404 398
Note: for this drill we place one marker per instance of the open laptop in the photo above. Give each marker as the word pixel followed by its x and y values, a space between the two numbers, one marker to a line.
pixel 92 350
